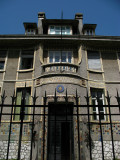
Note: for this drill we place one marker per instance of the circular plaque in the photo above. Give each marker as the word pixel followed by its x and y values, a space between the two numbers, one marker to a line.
pixel 60 88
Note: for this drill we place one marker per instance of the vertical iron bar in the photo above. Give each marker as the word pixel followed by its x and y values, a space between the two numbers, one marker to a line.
pixel 2 104
pixel 66 99
pixel 32 138
pixel 118 99
pixel 45 98
pixel 13 100
pixel 108 100
pixel 55 101
pixel 100 126
pixel 22 118
pixel 79 152
pixel 87 100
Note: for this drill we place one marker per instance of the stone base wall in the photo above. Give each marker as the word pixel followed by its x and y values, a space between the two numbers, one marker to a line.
pixel 13 151
pixel 108 154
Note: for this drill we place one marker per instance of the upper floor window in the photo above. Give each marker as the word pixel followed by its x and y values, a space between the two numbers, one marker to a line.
pixel 94 60
pixel 27 59
pixel 94 94
pixel 2 59
pixel 30 31
pixel 65 30
pixel 60 56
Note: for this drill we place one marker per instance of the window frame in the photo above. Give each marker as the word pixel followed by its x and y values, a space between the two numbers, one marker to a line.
pixel 26 56
pixel 95 90
pixel 28 109
pixel 55 30
pixel 4 59
pixel 60 60
pixel 100 61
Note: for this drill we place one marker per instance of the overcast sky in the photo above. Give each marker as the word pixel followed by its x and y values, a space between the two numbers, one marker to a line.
pixel 104 13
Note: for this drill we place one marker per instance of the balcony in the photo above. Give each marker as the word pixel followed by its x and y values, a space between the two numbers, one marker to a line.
pixel 60 67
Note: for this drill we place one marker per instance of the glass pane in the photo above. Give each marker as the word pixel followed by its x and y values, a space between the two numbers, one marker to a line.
pixel 51 57
pixel 102 116
pixel 57 32
pixel 57 56
pixel 99 94
pixel 69 57
pixel 64 57
pixel 94 116
pixel 93 94
pixel 94 108
pixel 93 102
pixel 2 64
pixel 101 109
pixel 101 102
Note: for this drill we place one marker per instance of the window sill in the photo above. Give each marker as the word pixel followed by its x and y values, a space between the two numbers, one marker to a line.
pixel 2 70
pixel 25 70
pixel 96 71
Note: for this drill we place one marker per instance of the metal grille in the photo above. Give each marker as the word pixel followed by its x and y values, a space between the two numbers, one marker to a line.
pixel 66 130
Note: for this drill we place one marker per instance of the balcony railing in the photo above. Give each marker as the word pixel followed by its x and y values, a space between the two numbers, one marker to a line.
pixel 60 67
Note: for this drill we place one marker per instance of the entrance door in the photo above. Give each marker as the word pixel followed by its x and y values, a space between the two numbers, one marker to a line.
pixel 60 132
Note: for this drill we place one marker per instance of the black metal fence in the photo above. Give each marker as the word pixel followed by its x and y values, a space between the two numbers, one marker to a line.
pixel 73 118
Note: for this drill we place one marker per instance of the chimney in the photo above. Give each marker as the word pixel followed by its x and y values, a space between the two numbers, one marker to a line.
pixel 41 15
pixel 79 17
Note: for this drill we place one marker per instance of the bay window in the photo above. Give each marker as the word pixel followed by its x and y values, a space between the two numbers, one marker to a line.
pixel 60 56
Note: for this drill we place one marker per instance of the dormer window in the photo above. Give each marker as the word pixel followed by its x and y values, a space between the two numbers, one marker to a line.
pixel 65 30
pixel 30 31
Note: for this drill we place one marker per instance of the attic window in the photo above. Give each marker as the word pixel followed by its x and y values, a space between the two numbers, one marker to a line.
pixel 65 30
pixel 30 31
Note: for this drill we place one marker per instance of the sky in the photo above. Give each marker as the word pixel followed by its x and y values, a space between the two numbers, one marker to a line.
pixel 104 13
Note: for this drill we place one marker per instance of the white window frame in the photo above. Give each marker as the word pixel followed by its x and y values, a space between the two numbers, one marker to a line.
pixel 93 61
pixel 54 30
pixel 60 60
pixel 96 103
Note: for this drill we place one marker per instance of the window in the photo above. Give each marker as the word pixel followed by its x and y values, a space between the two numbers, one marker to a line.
pixel 94 61
pixel 18 102
pixel 119 59
pixel 94 94
pixel 66 30
pixel 30 31
pixel 27 60
pixel 58 56
pixel 2 59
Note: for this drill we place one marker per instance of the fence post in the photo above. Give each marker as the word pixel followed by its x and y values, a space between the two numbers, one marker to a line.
pixel 3 100
pixel 45 100
pixel 32 134
pixel 21 118
pixel 79 152
pixel 87 100
pixel 13 100
pixel 98 100
pixel 108 101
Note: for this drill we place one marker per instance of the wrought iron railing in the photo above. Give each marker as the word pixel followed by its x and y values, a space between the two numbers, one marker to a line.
pixel 82 126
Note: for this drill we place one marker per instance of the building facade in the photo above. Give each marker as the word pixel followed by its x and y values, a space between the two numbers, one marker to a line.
pixel 53 58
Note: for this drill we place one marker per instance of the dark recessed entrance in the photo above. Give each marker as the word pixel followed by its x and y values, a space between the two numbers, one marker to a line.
pixel 60 131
